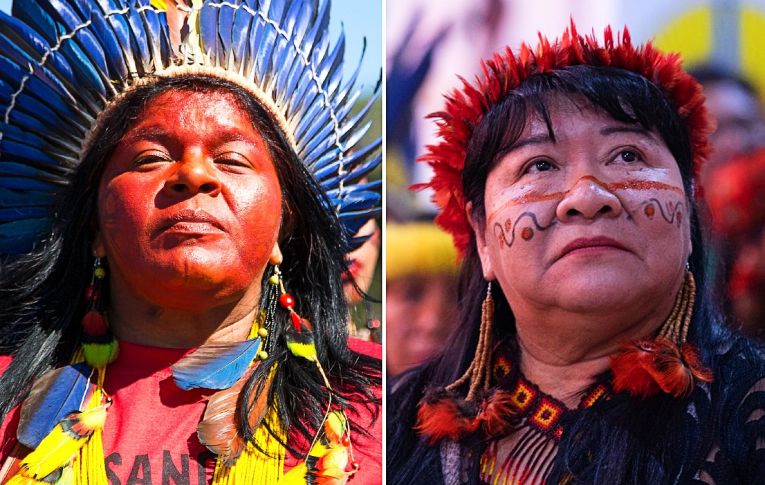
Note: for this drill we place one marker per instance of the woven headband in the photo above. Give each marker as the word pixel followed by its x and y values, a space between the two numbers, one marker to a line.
pixel 506 70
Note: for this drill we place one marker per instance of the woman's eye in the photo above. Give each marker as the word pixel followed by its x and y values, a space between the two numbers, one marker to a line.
pixel 539 166
pixel 629 156
pixel 152 158
pixel 233 161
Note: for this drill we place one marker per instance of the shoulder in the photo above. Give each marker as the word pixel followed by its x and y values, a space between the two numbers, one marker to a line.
pixel 365 347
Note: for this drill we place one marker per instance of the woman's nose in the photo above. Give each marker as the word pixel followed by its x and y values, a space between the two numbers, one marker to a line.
pixel 589 198
pixel 194 174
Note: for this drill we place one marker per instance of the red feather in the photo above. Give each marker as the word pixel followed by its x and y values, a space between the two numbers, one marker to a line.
pixel 442 414
pixel 646 367
pixel 498 413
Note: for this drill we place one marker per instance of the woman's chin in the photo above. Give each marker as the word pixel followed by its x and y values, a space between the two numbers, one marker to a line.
pixel 600 290
pixel 197 280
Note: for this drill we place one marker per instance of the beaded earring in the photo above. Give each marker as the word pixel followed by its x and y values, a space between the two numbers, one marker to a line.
pixel 666 363
pixel 99 346
pixel 331 451
pixel 444 414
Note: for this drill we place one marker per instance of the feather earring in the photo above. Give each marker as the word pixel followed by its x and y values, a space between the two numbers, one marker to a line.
pixel 331 451
pixel 259 459
pixel 444 414
pixel 666 363
pixel 63 416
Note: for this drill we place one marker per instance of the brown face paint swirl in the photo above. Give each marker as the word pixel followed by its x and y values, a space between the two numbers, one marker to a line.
pixel 671 211
pixel 527 232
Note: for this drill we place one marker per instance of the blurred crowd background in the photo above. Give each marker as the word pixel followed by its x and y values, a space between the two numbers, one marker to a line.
pixel 429 45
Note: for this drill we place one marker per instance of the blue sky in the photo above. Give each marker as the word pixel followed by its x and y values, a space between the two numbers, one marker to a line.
pixel 360 18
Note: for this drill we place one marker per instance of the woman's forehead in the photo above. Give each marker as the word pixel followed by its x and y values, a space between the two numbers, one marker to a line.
pixel 562 117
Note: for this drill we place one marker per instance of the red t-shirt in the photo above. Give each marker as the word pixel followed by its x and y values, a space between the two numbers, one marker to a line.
pixel 150 432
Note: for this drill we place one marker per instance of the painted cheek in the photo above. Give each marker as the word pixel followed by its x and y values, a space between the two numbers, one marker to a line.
pixel 125 212
pixel 260 214
pixel 521 224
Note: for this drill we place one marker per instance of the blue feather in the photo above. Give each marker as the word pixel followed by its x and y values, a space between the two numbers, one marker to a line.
pixel 358 173
pixel 373 186
pixel 208 29
pixel 333 61
pixel 74 21
pixel 37 109
pixel 12 169
pixel 107 37
pixel 158 42
pixel 19 237
pixel 118 27
pixel 12 52
pixel 9 214
pixel 319 27
pixel 31 41
pixel 352 222
pixel 15 198
pixel 215 366
pixel 22 183
pixel 53 396
pixel 139 40
pixel 32 14
pixel 225 28
pixel 320 172
pixel 18 152
pixel 303 20
pixel 266 39
pixel 239 36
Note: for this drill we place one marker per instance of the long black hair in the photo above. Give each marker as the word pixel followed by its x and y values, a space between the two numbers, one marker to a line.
pixel 622 440
pixel 42 292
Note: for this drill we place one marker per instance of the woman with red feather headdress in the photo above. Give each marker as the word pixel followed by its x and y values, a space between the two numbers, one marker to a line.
pixel 588 348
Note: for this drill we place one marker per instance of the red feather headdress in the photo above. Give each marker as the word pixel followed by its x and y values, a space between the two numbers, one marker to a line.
pixel 505 71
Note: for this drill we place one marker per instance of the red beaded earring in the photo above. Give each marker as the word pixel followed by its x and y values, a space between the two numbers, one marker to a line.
pixel 335 447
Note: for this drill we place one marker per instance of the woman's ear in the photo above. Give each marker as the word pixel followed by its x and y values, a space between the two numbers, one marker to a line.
pixel 276 255
pixel 480 242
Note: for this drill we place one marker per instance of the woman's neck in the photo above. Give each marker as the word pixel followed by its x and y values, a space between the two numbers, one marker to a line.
pixel 136 320
pixel 563 353
pixel 563 381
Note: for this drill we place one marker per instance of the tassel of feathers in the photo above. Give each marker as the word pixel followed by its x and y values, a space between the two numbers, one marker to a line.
pixel 646 367
pixel 53 457
pixel 444 414
pixel 330 460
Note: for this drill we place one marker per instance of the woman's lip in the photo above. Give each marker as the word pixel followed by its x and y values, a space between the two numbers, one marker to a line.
pixel 600 242
pixel 190 221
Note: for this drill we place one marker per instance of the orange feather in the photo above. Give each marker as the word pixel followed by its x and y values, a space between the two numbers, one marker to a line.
pixel 646 367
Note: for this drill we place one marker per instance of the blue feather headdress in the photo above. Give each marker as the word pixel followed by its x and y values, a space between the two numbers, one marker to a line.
pixel 63 63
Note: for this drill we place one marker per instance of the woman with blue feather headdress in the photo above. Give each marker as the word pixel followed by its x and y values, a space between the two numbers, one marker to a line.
pixel 179 185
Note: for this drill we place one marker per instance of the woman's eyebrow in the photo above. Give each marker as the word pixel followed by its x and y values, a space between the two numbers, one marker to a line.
pixel 149 132
pixel 613 129
pixel 540 139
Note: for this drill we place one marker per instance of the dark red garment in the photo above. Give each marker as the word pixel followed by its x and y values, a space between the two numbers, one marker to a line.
pixel 150 432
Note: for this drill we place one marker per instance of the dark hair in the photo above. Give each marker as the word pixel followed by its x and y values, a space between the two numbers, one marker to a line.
pixel 606 444
pixel 43 291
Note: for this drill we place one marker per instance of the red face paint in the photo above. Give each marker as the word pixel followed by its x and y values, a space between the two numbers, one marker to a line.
pixel 190 203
